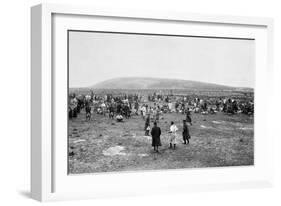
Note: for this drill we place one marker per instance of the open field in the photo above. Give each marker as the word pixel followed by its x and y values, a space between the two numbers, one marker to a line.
pixel 103 145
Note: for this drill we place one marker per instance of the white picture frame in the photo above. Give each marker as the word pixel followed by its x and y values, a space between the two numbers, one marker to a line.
pixel 49 179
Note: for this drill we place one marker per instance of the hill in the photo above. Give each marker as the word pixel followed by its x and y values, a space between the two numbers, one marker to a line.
pixel 159 83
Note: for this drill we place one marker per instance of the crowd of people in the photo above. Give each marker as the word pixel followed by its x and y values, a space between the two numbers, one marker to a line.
pixel 152 107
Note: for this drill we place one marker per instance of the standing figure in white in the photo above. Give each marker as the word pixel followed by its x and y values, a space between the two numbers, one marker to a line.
pixel 173 136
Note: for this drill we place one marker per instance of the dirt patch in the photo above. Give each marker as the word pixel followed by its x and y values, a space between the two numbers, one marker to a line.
pixel 216 122
pixel 112 151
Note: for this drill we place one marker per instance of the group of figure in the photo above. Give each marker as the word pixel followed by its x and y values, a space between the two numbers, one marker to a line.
pixel 122 106
pixel 156 135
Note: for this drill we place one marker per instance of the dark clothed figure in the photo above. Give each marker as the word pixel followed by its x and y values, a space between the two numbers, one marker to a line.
pixel 118 108
pixel 155 133
pixel 74 112
pixel 111 112
pixel 185 133
pixel 88 112
pixel 188 118
pixel 69 113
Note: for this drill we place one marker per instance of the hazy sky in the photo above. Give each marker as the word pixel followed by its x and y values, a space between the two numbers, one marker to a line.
pixel 95 57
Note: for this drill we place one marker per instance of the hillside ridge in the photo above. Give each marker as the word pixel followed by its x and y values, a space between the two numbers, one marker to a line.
pixel 158 83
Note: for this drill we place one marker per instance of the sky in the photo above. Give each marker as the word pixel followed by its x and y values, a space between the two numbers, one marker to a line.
pixel 95 57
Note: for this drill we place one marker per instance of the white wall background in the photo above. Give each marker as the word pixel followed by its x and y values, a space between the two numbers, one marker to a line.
pixel 15 115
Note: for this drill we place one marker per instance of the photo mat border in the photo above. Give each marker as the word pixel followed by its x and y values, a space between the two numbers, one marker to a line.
pixel 41 21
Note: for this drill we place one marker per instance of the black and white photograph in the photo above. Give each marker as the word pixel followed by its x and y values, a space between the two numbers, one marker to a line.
pixel 141 101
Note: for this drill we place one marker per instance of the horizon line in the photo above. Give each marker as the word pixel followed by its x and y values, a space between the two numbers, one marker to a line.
pixel 242 87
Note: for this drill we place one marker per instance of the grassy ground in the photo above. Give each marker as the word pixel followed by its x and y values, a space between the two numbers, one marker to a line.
pixel 216 140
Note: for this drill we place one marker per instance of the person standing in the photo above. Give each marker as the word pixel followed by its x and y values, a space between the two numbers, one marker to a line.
pixel 88 112
pixel 157 114
pixel 143 111
pixel 147 126
pixel 188 118
pixel 185 133
pixel 103 107
pixel 155 133
pixel 170 105
pixel 173 137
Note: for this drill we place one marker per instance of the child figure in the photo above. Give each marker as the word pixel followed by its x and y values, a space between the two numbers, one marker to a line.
pixel 147 130
pixel 119 118
pixel 173 136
